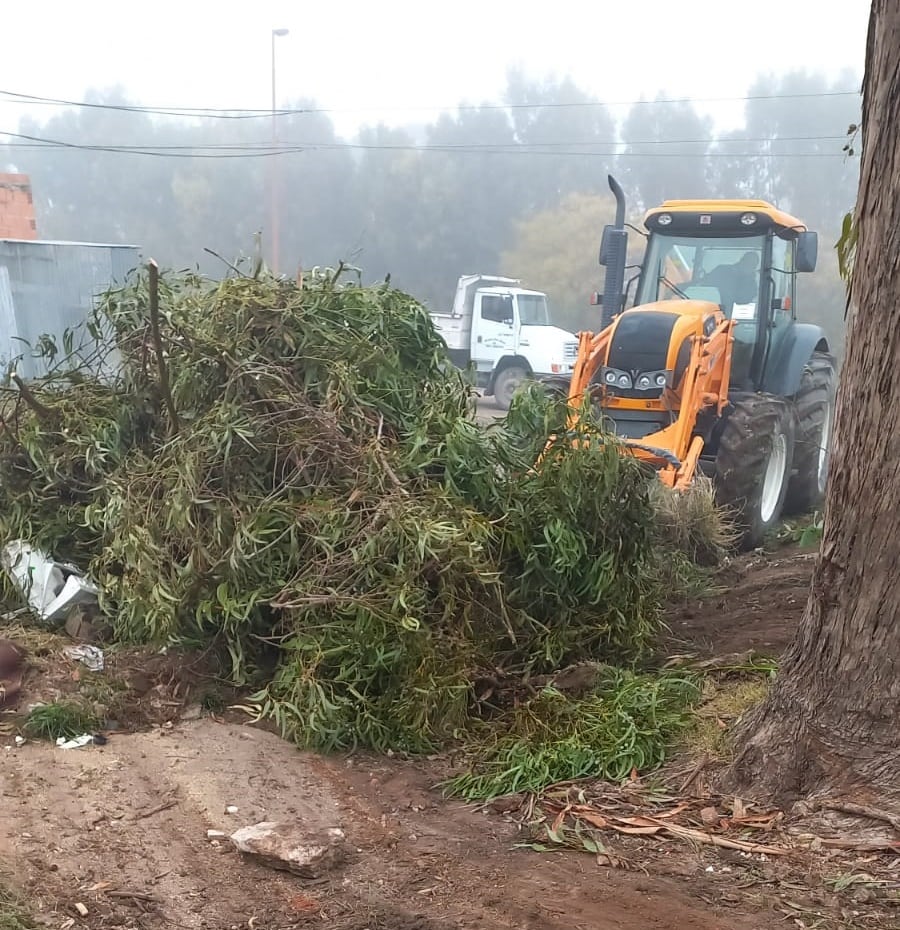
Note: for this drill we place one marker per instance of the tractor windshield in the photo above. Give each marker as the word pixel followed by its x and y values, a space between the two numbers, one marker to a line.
pixel 724 271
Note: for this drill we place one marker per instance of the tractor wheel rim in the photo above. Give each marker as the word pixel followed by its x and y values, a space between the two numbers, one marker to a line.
pixel 774 478
pixel 824 439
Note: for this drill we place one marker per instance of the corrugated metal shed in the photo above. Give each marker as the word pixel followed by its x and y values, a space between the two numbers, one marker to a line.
pixel 49 287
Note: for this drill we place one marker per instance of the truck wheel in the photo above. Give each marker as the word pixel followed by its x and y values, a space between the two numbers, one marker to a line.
pixel 506 383
pixel 815 410
pixel 753 465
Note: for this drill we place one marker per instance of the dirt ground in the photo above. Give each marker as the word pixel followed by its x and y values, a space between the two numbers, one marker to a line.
pixel 754 605
pixel 121 829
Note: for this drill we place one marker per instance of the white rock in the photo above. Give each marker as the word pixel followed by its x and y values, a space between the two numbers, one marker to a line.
pixel 292 847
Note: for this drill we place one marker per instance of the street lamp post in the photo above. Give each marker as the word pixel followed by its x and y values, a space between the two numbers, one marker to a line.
pixel 274 205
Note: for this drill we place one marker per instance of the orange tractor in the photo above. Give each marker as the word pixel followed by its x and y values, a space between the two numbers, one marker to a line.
pixel 709 371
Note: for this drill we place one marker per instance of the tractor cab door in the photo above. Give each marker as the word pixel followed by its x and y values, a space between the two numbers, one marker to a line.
pixel 732 268
pixel 721 270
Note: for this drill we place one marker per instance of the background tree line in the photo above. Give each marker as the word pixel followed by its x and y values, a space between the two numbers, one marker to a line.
pixel 518 187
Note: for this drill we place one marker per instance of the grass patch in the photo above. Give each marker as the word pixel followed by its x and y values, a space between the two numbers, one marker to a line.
pixel 691 522
pixel 692 536
pixel 805 532
pixel 625 723
pixel 12 915
pixel 61 718
pixel 724 701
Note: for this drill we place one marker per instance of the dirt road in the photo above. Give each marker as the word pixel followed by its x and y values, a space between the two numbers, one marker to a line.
pixel 130 821
pixel 121 829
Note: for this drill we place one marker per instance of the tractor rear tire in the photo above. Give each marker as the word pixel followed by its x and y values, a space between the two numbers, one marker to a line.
pixel 753 465
pixel 814 407
pixel 506 384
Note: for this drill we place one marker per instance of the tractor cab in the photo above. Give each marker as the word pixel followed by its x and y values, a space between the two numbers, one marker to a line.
pixel 742 255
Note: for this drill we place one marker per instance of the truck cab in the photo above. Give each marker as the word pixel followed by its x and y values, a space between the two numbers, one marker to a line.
pixel 503 331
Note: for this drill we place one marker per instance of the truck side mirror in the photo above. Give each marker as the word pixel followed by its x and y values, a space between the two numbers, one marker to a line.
pixel 807 251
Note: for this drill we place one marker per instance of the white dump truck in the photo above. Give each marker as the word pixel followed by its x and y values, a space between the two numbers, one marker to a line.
pixel 504 331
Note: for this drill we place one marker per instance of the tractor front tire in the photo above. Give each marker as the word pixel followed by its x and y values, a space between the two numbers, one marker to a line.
pixel 814 406
pixel 753 465
pixel 506 384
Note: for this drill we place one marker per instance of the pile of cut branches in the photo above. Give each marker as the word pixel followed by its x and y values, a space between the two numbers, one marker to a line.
pixel 292 470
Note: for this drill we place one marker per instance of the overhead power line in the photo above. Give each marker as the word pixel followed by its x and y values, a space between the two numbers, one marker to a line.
pixel 238 113
pixel 266 150
pixel 513 147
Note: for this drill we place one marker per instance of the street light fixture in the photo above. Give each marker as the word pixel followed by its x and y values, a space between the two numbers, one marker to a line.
pixel 274 205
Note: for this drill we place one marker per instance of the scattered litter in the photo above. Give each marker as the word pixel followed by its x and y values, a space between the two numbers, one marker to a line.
pixel 79 624
pixel 82 910
pixel 10 615
pixel 231 809
pixel 86 739
pixel 216 834
pixel 90 656
pixel 20 741
pixel 75 592
pixel 51 588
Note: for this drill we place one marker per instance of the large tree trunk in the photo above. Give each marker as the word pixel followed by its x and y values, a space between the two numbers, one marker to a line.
pixel 831 724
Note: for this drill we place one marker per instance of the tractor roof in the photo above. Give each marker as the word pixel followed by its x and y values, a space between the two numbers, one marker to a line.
pixel 721 217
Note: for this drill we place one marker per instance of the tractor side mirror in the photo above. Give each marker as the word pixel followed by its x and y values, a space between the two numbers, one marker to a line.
pixel 807 251
pixel 605 241
pixel 613 247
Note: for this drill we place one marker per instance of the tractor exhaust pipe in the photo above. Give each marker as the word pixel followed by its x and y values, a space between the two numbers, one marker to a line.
pixel 619 194
pixel 613 249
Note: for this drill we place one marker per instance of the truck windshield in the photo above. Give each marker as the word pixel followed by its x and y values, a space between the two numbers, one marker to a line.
pixel 724 271
pixel 533 310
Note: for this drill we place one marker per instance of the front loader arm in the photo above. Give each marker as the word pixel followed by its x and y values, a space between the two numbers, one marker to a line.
pixel 591 353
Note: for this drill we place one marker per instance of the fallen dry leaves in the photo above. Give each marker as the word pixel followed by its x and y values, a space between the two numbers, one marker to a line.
pixel 571 812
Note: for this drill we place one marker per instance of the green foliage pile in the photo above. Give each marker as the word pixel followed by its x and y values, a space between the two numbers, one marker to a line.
pixel 624 723
pixel 12 915
pixel 292 471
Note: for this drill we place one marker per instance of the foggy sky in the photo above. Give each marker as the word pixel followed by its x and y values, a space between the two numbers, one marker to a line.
pixel 399 61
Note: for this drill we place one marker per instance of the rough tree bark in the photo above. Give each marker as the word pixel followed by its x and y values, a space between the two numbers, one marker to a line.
pixel 831 724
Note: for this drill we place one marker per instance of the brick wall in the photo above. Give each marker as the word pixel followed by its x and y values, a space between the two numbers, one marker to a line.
pixel 16 208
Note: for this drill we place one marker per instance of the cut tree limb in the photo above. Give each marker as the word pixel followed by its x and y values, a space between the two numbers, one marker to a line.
pixel 158 346
pixel 862 810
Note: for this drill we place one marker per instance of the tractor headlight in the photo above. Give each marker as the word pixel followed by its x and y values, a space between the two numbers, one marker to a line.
pixel 651 380
pixel 616 378
pixel 748 219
